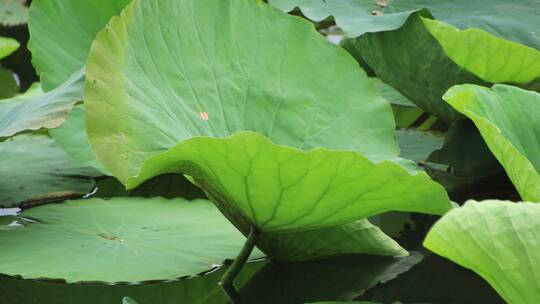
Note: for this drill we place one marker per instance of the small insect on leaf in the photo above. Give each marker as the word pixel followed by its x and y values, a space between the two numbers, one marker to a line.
pixel 203 115
pixel 377 13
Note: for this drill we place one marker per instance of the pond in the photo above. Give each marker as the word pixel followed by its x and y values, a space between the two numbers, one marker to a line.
pixel 431 280
pixel 269 151
pixel 421 277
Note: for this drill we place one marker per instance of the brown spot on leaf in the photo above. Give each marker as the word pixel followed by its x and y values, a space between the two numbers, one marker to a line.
pixel 203 116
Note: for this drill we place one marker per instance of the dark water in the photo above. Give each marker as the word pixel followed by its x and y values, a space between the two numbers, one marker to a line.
pixel 421 279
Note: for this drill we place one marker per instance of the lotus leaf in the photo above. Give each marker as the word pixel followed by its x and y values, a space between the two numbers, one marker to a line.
pixel 357 17
pixel 71 136
pixel 61 32
pixel 40 110
pixel 507 118
pixel 224 116
pixel 119 240
pixel 33 167
pixel 496 239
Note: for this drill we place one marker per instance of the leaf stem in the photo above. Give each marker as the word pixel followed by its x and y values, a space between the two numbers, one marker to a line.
pixel 235 268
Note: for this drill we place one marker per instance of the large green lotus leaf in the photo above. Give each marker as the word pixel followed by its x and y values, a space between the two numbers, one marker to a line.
pixel 8 46
pixel 330 279
pixel 119 240
pixel 71 136
pixel 517 21
pixel 13 12
pixel 496 239
pixel 144 96
pixel 433 56
pixel 270 87
pixel 359 237
pixel 507 118
pixel 33 167
pixel 61 32
pixel 43 110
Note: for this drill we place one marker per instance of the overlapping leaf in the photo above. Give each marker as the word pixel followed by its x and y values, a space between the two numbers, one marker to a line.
pixel 71 136
pixel 465 151
pixel 119 240
pixel 434 55
pixel 406 113
pixel 411 60
pixel 355 17
pixel 496 239
pixel 282 188
pixel 498 17
pixel 358 237
pixel 417 145
pixel 33 167
pixel 232 86
pixel 13 12
pixel 492 59
pixel 507 118
pixel 41 110
pixel 61 32
pixel 246 119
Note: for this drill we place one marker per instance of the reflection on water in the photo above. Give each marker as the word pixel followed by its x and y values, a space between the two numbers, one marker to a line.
pixel 431 280
pixel 341 279
pixel 415 279
pixel 198 290
pixel 435 280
